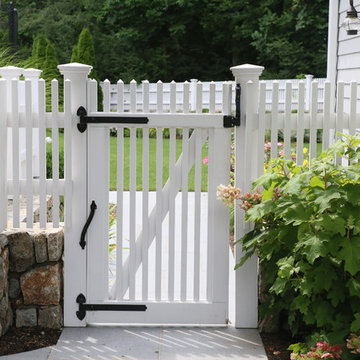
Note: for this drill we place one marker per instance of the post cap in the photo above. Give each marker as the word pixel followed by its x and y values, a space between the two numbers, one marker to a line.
pixel 74 68
pixel 10 72
pixel 247 70
pixel 32 73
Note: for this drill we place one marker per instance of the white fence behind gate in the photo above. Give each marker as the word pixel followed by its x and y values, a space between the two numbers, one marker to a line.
pixel 207 88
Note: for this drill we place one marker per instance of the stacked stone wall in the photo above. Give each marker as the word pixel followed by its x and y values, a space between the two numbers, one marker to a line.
pixel 31 278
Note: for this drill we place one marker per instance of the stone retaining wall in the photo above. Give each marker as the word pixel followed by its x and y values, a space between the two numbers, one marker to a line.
pixel 31 278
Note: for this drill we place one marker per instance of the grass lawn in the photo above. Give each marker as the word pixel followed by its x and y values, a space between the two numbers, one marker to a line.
pixel 152 162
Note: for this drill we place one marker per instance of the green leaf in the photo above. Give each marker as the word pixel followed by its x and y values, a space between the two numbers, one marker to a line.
pixel 325 198
pixel 294 186
pixel 323 276
pixel 286 267
pixel 354 287
pixel 350 253
pixel 316 181
pixel 352 192
pixel 357 228
pixel 333 224
pixel 278 286
pixel 297 214
pixel 266 180
pixel 323 312
pixel 314 248
pixel 258 211
pixel 302 303
pixel 335 295
pixel 298 348
pixel 355 325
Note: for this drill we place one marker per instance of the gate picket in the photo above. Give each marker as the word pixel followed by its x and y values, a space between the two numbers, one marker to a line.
pixel 119 210
pixel 145 213
pixel 172 194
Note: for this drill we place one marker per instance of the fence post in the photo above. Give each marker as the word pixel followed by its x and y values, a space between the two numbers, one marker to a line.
pixel 309 79
pixel 246 277
pixel 74 256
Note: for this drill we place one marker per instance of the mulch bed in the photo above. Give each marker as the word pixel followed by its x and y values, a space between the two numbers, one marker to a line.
pixel 276 345
pixel 18 340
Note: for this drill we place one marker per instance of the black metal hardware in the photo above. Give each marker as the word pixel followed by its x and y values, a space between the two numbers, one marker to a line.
pixel 83 307
pixel 230 121
pixel 82 242
pixel 84 119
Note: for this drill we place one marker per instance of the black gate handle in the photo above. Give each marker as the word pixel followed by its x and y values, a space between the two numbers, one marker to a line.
pixel 82 242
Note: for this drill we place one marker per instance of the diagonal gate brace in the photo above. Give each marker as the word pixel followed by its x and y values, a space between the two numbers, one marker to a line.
pixel 83 307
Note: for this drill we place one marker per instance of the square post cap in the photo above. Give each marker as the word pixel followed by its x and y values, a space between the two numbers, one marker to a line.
pixel 32 73
pixel 74 68
pixel 11 72
pixel 247 72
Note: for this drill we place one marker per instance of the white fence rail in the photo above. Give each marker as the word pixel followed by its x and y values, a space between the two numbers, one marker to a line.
pixel 207 93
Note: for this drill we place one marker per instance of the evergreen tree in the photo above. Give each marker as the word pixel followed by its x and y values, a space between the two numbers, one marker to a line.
pixel 50 70
pixel 74 54
pixel 39 48
pixel 84 51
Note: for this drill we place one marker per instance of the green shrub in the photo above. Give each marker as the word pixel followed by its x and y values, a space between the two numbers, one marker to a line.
pixel 307 236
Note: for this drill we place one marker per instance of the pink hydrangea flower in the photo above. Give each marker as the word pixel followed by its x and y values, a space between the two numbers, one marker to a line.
pixel 205 160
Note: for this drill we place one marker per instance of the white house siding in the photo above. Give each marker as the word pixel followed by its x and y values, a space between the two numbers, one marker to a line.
pixel 348 53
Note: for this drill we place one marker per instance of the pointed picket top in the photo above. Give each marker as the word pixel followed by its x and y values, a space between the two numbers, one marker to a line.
pixel 159 82
pixel 186 82
pixel 133 81
pixel 173 82
pixel 107 81
pixel 120 82
pixel 145 81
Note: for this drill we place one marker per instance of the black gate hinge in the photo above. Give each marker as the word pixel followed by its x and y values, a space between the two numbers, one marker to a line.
pixel 83 307
pixel 229 120
pixel 85 119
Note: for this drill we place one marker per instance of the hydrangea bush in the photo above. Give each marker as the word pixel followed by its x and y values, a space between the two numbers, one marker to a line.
pixel 307 235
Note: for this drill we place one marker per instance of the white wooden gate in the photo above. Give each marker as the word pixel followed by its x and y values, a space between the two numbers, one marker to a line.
pixel 171 248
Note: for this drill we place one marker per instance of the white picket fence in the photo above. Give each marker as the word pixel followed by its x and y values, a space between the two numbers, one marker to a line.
pixel 24 125
pixel 207 91
pixel 259 123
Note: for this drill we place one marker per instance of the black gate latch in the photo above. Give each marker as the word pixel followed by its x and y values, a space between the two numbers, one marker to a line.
pixel 84 119
pixel 229 120
pixel 83 307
